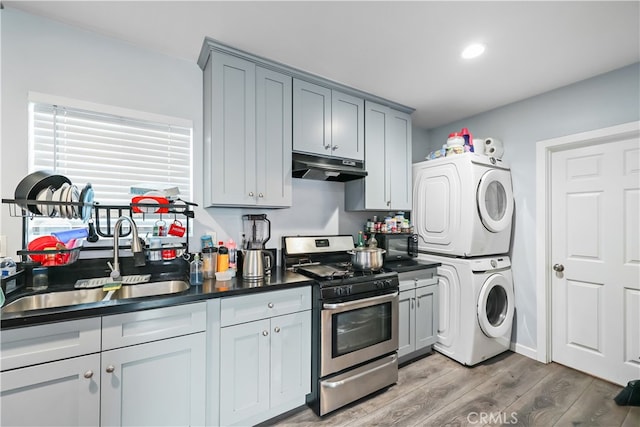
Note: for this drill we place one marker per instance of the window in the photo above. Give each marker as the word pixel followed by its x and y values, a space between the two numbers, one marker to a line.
pixel 111 151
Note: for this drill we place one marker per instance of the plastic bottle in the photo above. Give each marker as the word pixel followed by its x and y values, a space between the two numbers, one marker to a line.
pixel 223 257
pixel 7 268
pixel 231 245
pixel 195 271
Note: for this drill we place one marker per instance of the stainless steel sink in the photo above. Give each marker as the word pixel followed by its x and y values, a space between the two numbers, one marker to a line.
pixel 54 299
pixel 84 296
pixel 151 289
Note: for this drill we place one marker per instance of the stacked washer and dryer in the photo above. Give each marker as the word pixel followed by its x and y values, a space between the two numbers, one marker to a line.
pixel 462 213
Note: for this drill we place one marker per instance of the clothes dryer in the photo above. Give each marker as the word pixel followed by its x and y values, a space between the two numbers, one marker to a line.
pixel 477 306
pixel 463 205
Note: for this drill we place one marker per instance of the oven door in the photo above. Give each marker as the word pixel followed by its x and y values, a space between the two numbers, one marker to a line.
pixel 357 331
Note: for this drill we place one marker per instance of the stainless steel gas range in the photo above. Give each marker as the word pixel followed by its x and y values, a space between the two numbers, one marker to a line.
pixel 355 321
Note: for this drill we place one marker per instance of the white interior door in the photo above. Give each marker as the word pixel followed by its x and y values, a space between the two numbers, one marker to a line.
pixel 595 252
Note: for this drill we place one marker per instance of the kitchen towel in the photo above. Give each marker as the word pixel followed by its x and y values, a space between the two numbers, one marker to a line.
pixel 493 147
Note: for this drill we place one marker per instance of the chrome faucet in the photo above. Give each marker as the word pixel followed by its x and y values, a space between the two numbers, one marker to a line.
pixel 136 247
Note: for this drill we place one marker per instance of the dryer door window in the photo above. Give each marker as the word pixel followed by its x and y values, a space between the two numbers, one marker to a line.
pixel 495 200
pixel 495 306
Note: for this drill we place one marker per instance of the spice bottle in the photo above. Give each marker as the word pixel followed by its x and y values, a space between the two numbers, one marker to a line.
pixel 223 257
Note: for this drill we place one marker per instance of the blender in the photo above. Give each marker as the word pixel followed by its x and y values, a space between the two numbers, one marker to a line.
pixel 256 260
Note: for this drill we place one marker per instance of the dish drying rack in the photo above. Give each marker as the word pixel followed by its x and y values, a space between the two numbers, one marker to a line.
pixel 104 218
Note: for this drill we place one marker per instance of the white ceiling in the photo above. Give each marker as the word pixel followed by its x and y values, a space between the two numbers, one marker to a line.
pixel 408 52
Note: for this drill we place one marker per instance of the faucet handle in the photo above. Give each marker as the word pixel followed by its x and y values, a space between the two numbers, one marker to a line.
pixel 115 273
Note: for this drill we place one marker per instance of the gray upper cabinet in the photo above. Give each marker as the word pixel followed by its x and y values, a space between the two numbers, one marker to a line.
pixel 311 118
pixel 273 126
pixel 347 125
pixel 327 122
pixel 247 134
pixel 388 162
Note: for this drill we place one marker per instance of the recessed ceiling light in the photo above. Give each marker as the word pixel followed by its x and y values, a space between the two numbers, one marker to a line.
pixel 473 50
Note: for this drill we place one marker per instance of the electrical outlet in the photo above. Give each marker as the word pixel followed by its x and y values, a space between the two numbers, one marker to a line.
pixel 3 245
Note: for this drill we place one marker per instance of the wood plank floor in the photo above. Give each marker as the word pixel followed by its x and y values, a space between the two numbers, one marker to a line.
pixel 509 389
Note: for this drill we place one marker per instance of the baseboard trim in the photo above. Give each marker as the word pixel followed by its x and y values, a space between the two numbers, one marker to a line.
pixel 531 353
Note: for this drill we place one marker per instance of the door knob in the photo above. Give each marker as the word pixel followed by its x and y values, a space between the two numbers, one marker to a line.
pixel 558 267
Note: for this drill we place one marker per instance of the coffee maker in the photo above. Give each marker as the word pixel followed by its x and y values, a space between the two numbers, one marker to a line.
pixel 257 261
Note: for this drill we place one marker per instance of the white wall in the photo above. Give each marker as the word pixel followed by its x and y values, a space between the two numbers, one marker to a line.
pixel 605 100
pixel 41 55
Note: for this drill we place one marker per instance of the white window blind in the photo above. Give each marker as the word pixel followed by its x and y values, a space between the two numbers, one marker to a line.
pixel 111 152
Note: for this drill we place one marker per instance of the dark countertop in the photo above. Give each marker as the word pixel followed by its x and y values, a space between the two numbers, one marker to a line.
pixel 209 289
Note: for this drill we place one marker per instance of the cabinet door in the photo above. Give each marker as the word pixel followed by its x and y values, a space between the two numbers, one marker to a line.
pixel 377 183
pixel 426 315
pixel 155 384
pixel 274 135
pixel 62 393
pixel 398 156
pixel 311 118
pixel 406 323
pixel 230 150
pixel 244 371
pixel 347 126
pixel 290 357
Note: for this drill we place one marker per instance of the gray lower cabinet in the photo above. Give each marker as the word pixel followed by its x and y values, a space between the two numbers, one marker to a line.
pixel 388 184
pixel 327 122
pixel 61 393
pixel 265 355
pixel 51 374
pixel 150 370
pixel 417 314
pixel 247 134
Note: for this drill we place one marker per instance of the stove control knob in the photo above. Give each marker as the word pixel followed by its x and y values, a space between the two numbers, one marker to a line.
pixel 343 291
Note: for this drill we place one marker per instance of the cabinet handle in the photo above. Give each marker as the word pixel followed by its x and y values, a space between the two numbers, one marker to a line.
pixel 270 305
pixel 418 302
pixel 334 148
pixel 327 146
pixel 250 193
pixel 413 301
pixel 265 333
pixel 260 195
pixel 276 329
pixel 110 369
pixel 88 374
pixel 388 202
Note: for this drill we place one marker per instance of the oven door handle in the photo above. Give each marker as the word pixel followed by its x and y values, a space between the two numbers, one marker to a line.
pixel 336 384
pixel 360 302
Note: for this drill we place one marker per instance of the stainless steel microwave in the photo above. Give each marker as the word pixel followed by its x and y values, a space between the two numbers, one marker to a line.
pixel 402 246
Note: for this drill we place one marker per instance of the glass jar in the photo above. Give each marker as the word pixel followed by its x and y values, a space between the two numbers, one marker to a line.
pixel 209 262
pixel 40 280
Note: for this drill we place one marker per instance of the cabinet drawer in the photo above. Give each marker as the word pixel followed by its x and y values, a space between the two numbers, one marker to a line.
pixel 45 343
pixel 248 308
pixel 126 329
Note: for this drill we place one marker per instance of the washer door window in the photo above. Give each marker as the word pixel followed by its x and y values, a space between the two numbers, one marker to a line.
pixel 495 306
pixel 495 200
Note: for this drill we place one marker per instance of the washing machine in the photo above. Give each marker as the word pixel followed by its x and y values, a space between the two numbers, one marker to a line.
pixel 463 205
pixel 476 306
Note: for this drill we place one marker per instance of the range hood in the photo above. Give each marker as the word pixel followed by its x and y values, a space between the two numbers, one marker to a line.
pixel 308 166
